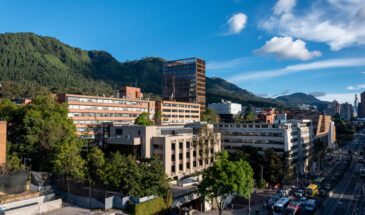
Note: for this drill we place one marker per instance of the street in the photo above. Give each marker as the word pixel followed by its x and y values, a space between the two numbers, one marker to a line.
pixel 346 197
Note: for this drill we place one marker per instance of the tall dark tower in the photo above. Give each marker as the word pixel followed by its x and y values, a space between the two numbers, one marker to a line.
pixel 184 81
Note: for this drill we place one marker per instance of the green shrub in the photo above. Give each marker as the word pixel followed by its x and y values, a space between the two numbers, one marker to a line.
pixel 151 207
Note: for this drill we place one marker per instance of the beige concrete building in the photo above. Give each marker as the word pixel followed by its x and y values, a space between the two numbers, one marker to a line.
pixel 292 138
pixel 184 150
pixel 3 134
pixel 89 112
pixel 178 113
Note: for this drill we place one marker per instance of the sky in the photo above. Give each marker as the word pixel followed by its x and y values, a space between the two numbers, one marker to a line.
pixel 269 47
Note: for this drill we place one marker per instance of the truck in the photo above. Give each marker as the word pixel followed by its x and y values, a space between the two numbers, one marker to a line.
pixel 311 191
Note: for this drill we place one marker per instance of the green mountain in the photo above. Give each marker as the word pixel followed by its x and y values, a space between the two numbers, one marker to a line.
pixel 30 63
pixel 302 98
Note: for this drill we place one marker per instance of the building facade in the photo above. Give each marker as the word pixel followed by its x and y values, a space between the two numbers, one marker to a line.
pixel 333 108
pixel 346 112
pixel 177 113
pixel 184 150
pixel 184 81
pixel 3 137
pixel 89 112
pixel 292 138
pixel 226 110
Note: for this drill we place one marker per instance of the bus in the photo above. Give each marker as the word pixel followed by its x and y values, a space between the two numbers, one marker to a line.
pixel 311 191
pixel 281 205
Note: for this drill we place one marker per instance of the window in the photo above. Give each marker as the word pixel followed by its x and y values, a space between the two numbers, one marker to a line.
pixel 194 163
pixel 173 146
pixel 188 165
pixel 200 162
pixel 172 168
pixel 180 167
pixel 187 154
pixel 180 145
pixel 180 156
pixel 139 132
pixel 172 157
pixel 119 131
pixel 194 153
pixel 188 145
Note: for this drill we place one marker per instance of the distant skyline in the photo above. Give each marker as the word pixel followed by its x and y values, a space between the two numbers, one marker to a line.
pixel 269 47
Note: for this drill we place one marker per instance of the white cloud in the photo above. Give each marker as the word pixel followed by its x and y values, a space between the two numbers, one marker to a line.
pixel 287 48
pixel 284 6
pixel 338 23
pixel 236 23
pixel 356 87
pixel 317 65
pixel 340 97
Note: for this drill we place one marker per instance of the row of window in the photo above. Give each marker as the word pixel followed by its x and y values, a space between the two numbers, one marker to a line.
pixel 180 110
pixel 180 116
pixel 95 121
pixel 173 169
pixel 253 141
pixel 179 105
pixel 254 134
pixel 102 115
pixel 91 107
pixel 187 155
pixel 238 125
pixel 105 101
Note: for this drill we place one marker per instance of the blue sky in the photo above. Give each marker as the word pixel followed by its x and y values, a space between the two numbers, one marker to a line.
pixel 269 47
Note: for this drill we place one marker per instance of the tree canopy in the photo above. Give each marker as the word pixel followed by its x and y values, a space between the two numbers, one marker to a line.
pixel 35 130
pixel 210 116
pixel 225 178
pixel 143 119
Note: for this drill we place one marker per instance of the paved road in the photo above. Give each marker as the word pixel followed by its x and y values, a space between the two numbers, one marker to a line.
pixel 345 196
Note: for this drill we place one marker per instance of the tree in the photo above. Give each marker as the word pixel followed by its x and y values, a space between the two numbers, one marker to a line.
pixel 226 178
pixel 69 163
pixel 157 117
pixel 36 129
pixel 209 116
pixel 249 116
pixel 251 155
pixel 13 164
pixel 143 119
pixel 274 167
pixel 154 178
pixel 114 171
pixel 95 165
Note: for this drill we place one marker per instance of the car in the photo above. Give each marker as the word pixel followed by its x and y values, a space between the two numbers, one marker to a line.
pixel 322 193
pixel 302 201
pixel 293 208
pixel 299 192
pixel 328 186
pixel 283 192
pixel 310 205
pixel 271 201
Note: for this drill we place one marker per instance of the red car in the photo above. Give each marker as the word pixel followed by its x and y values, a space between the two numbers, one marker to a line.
pixel 293 208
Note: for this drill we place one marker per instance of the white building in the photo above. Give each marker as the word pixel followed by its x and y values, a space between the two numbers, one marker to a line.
pixel 226 107
pixel 293 137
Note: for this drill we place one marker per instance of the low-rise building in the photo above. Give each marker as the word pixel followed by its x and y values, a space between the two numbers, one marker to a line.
pixel 89 112
pixel 226 110
pixel 177 113
pixel 292 138
pixel 184 150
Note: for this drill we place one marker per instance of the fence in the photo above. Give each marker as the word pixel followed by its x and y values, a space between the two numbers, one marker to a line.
pixel 14 183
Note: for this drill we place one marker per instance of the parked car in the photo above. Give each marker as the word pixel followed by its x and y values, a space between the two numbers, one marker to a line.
pixel 283 192
pixel 328 186
pixel 302 201
pixel 299 192
pixel 322 193
pixel 293 208
pixel 310 205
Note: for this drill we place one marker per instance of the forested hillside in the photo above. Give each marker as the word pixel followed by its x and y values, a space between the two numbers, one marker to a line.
pixel 30 63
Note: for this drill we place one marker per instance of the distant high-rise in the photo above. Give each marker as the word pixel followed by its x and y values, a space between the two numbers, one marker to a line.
pixel 184 81
pixel 362 107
